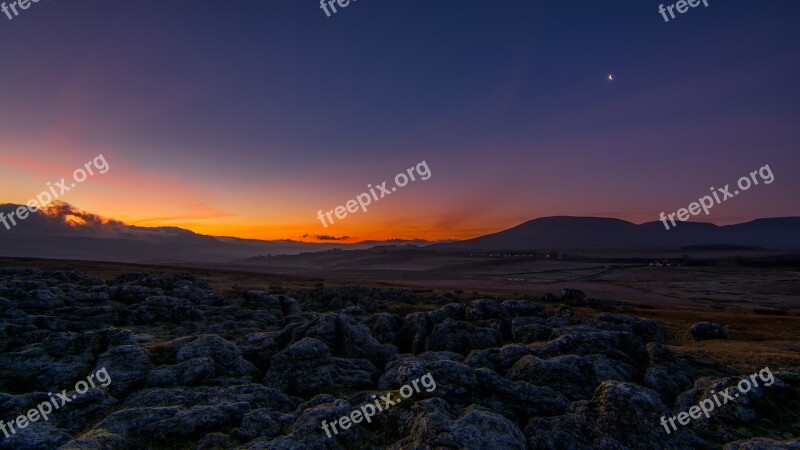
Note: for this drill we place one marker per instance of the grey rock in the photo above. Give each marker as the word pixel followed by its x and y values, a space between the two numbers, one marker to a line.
pixel 523 308
pixel 305 367
pixel 164 309
pixel 764 444
pixel 530 329
pixel 127 366
pixel 259 348
pixel 516 400
pixel 258 423
pixel 36 436
pixel 620 416
pixel 188 373
pixel 574 376
pixel 702 331
pixel 256 395
pixel 436 425
pixel 461 337
pixel 668 374
pixel 572 294
pixel 215 441
pixel 484 309
pixel 227 357
pixel 500 359
pixel 648 330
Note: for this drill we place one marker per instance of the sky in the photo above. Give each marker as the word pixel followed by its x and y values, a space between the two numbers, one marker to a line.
pixel 246 118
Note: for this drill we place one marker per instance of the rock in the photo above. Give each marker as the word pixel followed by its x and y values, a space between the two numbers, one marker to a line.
pixel 461 337
pixel 227 357
pixel 162 308
pixel 128 294
pixel 188 373
pixel 307 366
pixel 84 410
pixel 215 441
pixel 354 373
pixel 702 331
pixel 61 344
pixel 384 327
pixel 484 309
pixel 516 400
pixel 303 368
pixel 5 305
pixel 574 376
pixel 562 318
pixel 764 444
pixel 523 308
pixel 187 424
pixel 32 369
pixel 647 330
pixel 185 377
pixel 307 432
pixel 668 374
pixel 258 423
pixel 35 436
pixel 455 381
pixel 121 428
pixel 367 304
pixel 499 360
pixel 619 416
pixel 434 424
pixel 42 299
pixel 622 346
pixel 127 366
pixel 572 294
pixel 256 395
pixel 344 338
pixel 725 423
pixel 281 306
pixel 259 348
pixel 412 334
pixel 530 329
pixel 353 311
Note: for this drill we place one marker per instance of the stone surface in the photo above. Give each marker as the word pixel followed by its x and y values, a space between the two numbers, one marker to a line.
pixel 190 368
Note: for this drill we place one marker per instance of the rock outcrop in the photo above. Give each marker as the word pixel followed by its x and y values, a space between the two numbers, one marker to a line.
pixel 192 369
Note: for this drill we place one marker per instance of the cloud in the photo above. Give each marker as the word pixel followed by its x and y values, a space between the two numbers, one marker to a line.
pixel 76 217
pixel 84 223
pixel 197 211
pixel 325 237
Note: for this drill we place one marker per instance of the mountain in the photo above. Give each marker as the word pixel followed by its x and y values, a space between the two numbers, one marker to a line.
pixel 564 232
pixel 65 232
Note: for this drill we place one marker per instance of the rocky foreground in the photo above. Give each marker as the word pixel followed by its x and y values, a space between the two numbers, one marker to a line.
pixel 192 369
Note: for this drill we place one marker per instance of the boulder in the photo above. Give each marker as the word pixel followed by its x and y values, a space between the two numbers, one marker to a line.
pixel 435 424
pixel 127 366
pixel 461 337
pixel 619 416
pixel 668 374
pixel 703 331
pixel 228 360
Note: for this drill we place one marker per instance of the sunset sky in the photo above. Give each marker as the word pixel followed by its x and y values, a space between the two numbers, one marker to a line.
pixel 245 118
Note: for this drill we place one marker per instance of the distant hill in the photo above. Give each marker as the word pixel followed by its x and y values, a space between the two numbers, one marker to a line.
pixel 69 233
pixel 563 232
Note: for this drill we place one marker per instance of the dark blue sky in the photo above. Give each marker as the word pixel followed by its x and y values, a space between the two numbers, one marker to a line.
pixel 257 114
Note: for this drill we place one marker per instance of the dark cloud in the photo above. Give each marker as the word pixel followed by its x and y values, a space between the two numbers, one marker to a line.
pixel 325 237
pixel 68 213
